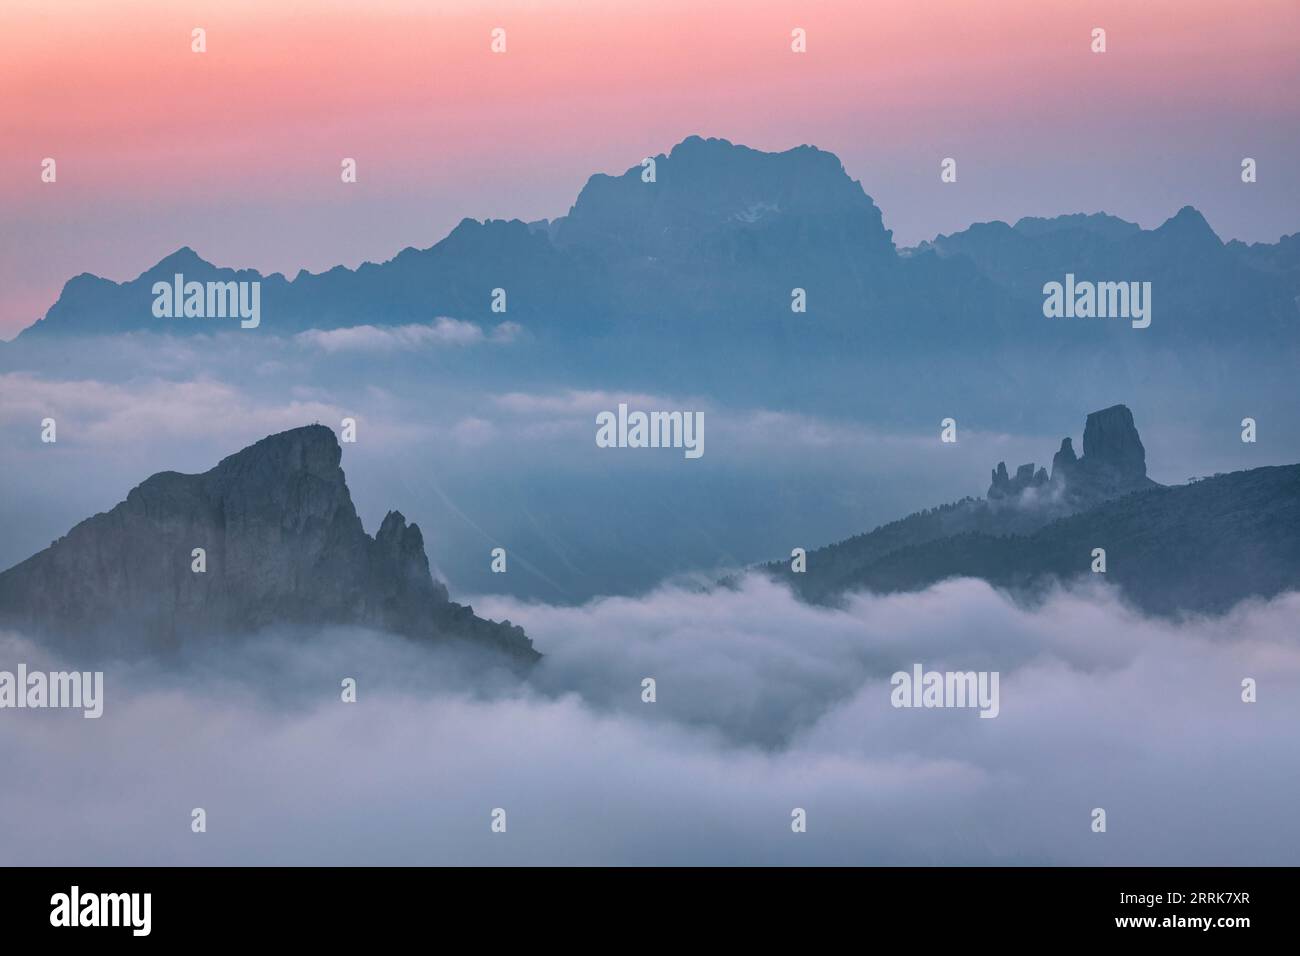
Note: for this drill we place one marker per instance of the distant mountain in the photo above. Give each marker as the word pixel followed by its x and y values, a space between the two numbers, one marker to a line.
pixel 1197 547
pixel 1200 547
pixel 1201 288
pixel 714 200
pixel 1281 258
pixel 1109 228
pixel 283 547
pixel 712 250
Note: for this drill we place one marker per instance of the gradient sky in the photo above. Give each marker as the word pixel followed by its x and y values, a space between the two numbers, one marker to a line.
pixel 236 151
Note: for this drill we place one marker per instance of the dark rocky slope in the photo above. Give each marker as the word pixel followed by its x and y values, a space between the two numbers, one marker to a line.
pixel 1200 547
pixel 284 547
pixel 1197 547
pixel 1113 463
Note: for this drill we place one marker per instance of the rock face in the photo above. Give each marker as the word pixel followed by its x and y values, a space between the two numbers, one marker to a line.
pixel 1157 536
pixel 1110 440
pixel 1007 487
pixel 1064 460
pixel 282 545
pixel 1114 463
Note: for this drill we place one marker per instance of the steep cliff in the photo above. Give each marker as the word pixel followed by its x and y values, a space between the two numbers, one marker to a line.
pixel 281 542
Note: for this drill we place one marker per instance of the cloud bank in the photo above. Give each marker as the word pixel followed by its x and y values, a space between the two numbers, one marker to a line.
pixel 374 338
pixel 764 704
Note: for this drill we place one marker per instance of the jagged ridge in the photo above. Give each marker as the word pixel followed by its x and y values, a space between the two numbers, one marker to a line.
pixel 1198 547
pixel 718 241
pixel 283 546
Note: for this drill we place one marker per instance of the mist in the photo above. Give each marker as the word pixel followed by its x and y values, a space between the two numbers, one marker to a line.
pixel 763 704
pixel 486 437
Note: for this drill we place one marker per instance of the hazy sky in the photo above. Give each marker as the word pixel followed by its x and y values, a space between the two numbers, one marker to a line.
pixel 237 151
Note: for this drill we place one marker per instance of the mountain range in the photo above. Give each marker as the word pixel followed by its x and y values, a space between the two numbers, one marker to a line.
pixel 281 545
pixel 712 250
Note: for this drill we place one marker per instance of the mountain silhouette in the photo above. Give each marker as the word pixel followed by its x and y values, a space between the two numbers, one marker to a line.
pixel 1202 288
pixel 283 546
pixel 713 247
pixel 1199 547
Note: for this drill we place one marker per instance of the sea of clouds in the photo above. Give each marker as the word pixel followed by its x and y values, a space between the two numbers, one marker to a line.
pixel 764 704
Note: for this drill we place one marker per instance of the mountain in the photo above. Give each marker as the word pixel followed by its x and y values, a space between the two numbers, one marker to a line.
pixel 716 222
pixel 713 248
pixel 283 545
pixel 1201 288
pixel 1281 258
pixel 1113 463
pixel 715 200
pixel 1199 547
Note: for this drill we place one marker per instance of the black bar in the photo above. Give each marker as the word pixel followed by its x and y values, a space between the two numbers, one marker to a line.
pixel 979 906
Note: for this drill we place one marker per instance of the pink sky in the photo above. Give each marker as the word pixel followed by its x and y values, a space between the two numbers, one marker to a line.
pixel 236 151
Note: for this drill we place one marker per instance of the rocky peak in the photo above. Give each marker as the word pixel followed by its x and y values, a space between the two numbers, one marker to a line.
pixel 1098 223
pixel 282 545
pixel 1110 440
pixel 704 187
pixel 1064 460
pixel 399 551
pixel 1189 227
pixel 1113 463
pixel 1004 486
pixel 183 259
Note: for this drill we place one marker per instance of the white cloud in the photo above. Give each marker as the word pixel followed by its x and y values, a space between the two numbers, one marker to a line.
pixel 764 704
pixel 90 412
pixel 375 338
pixel 576 402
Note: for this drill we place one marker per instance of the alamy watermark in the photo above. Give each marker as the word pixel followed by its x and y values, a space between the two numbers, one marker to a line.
pixel 62 689
pixel 1098 300
pixel 922 688
pixel 651 430
pixel 75 908
pixel 209 300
